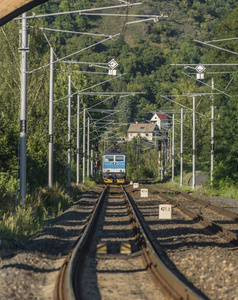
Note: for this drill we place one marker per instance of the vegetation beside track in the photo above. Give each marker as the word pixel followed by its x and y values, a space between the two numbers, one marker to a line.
pixel 225 188
pixel 21 223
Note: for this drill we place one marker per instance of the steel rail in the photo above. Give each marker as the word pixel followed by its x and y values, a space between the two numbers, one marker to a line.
pixel 222 211
pixel 67 283
pixel 212 226
pixel 174 287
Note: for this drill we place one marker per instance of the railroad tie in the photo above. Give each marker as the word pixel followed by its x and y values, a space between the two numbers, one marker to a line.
pixel 125 248
pixel 102 248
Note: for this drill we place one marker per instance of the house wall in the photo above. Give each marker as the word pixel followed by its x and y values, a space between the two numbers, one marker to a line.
pixel 159 123
pixel 148 136
pixel 157 120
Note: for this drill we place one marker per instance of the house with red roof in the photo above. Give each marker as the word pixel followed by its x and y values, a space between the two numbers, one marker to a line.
pixel 160 120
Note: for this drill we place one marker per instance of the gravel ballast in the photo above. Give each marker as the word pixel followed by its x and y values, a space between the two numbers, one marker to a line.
pixel 200 258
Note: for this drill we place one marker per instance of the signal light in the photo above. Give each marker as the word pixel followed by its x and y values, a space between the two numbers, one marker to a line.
pixel 159 145
pixel 96 147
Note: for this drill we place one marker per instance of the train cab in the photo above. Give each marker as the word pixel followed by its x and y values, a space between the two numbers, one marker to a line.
pixel 114 167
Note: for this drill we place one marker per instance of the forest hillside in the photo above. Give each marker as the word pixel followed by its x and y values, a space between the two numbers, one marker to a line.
pixel 145 53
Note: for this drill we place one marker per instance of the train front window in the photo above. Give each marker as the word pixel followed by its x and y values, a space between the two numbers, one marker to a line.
pixel 119 158
pixel 109 158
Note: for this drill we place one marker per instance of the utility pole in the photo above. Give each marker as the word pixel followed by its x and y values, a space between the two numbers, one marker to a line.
pixel 23 114
pixel 212 134
pixel 84 116
pixel 51 115
pixel 78 139
pixel 159 162
pixel 88 148
pixel 194 145
pixel 193 129
pixel 181 150
pixel 69 133
pixel 173 150
pixel 104 139
pixel 139 155
pixel 23 109
pixel 163 154
pixel 159 159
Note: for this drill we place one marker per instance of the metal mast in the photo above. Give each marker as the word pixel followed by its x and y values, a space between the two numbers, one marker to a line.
pixel 181 150
pixel 69 133
pixel 194 145
pixel 212 134
pixel 173 150
pixel 78 139
pixel 51 113
pixel 84 116
pixel 88 148
pixel 23 115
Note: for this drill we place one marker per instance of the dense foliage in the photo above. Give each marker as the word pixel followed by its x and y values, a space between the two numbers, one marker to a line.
pixel 145 52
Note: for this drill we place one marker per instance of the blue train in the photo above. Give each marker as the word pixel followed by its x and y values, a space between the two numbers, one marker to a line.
pixel 114 167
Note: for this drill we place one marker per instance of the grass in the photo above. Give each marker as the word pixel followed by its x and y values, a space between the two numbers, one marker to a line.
pixel 24 222
pixel 224 188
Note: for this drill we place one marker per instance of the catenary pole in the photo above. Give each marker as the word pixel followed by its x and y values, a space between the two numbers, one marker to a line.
pixel 173 149
pixel 212 134
pixel 51 113
pixel 181 150
pixel 23 109
pixel 78 139
pixel 88 147
pixel 159 164
pixel 194 145
pixel 170 146
pixel 69 133
pixel 84 116
pixel 164 148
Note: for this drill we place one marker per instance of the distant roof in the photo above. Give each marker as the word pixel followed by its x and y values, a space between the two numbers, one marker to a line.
pixel 142 127
pixel 10 9
pixel 162 117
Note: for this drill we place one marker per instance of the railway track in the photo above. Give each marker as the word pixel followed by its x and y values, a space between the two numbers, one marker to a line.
pixel 199 257
pixel 107 260
pixel 199 250
pixel 219 218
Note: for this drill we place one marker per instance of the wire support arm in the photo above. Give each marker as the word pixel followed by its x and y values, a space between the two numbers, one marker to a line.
pixel 77 52
pixel 219 48
pixel 183 106
pixel 93 86
pixel 221 92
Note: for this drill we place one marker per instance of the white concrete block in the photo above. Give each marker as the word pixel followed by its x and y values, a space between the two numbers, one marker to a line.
pixel 165 211
pixel 144 193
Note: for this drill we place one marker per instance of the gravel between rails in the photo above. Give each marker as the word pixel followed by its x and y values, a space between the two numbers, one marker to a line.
pixel 114 275
pixel 206 260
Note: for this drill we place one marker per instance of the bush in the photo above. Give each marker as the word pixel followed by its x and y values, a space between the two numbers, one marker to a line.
pixel 19 225
pixel 7 192
pixel 23 222
pixel 49 200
